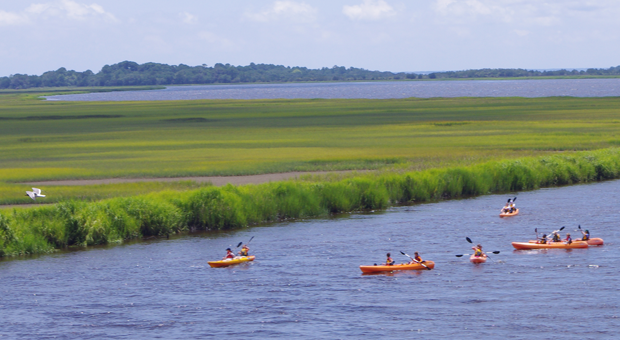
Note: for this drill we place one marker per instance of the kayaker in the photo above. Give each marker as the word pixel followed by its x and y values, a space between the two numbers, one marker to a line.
pixel 244 250
pixel 416 258
pixel 506 208
pixel 478 251
pixel 543 240
pixel 556 237
pixel 586 235
pixel 389 261
pixel 512 206
pixel 568 239
pixel 229 254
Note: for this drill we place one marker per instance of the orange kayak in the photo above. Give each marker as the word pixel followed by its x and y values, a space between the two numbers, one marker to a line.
pixel 230 262
pixel 595 242
pixel 478 259
pixel 550 245
pixel 384 268
pixel 509 214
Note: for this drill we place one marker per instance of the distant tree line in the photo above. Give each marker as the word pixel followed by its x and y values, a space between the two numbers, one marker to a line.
pixel 128 73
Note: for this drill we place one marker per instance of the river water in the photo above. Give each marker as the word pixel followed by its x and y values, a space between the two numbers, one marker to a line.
pixel 306 284
pixel 369 90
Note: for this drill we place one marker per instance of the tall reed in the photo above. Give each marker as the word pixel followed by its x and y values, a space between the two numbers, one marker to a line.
pixel 71 223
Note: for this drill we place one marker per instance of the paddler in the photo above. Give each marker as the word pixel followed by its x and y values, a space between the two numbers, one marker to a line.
pixel 512 205
pixel 478 251
pixel 568 239
pixel 543 240
pixel 229 254
pixel 556 237
pixel 244 250
pixel 506 208
pixel 586 235
pixel 389 261
pixel 416 258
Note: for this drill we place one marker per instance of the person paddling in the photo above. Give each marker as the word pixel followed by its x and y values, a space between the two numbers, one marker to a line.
pixel 389 261
pixel 416 258
pixel 556 237
pixel 506 208
pixel 543 239
pixel 512 205
pixel 586 235
pixel 244 250
pixel 229 254
pixel 478 251
pixel 568 239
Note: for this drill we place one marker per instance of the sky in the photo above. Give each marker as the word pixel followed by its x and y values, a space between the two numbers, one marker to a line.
pixel 386 35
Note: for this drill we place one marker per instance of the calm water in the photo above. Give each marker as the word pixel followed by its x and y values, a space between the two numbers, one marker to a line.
pixel 306 282
pixel 371 90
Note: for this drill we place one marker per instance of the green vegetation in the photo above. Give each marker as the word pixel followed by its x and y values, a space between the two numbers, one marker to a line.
pixel 76 223
pixel 129 73
pixel 422 149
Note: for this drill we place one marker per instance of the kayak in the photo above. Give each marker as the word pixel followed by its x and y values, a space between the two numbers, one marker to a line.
pixel 384 268
pixel 478 259
pixel 550 245
pixel 595 242
pixel 230 262
pixel 591 242
pixel 508 214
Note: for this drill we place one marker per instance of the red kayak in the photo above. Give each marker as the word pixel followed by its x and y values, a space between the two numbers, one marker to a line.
pixel 478 259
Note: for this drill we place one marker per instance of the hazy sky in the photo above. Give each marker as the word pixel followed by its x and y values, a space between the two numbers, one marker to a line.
pixel 388 35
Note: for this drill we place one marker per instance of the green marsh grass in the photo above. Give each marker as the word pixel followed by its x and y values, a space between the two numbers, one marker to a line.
pixel 79 223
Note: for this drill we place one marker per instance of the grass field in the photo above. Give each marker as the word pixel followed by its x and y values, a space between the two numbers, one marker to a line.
pixel 43 140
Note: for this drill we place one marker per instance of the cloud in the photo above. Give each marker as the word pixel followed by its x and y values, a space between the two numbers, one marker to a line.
pixel 66 9
pixel 369 10
pixel 188 18
pixel 291 10
pixel 215 39
pixel 10 19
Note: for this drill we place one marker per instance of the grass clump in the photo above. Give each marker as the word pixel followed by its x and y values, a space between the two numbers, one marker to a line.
pixel 80 223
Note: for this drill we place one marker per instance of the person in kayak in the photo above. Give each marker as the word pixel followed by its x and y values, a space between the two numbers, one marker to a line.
pixel 586 235
pixel 543 239
pixel 229 254
pixel 568 239
pixel 556 237
pixel 478 251
pixel 506 208
pixel 512 206
pixel 416 258
pixel 244 250
pixel 389 261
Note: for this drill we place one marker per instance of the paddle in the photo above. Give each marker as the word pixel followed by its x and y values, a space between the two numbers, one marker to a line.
pixel 414 260
pixel 469 240
pixel 461 255
pixel 240 243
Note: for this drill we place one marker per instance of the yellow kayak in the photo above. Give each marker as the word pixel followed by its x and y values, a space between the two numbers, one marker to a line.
pixel 230 262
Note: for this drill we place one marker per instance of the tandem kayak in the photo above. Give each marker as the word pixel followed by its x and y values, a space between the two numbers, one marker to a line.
pixel 508 214
pixel 591 242
pixel 550 245
pixel 384 268
pixel 229 262
pixel 478 259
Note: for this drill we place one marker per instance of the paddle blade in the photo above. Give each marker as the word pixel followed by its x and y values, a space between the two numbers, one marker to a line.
pixel 562 228
pixel 496 252
pixel 251 239
pixel 240 243
pixel 469 240
pixel 579 227
pixel 514 199
pixel 536 230
pixel 459 255
pixel 403 253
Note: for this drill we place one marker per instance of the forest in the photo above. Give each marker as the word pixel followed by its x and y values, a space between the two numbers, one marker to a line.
pixel 129 73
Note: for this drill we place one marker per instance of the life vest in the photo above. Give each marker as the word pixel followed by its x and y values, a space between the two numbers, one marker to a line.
pixel 543 240
pixel 556 238
pixel 230 255
pixel 244 251
pixel 418 258
pixel 389 261
pixel 585 237
pixel 478 252
pixel 569 240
